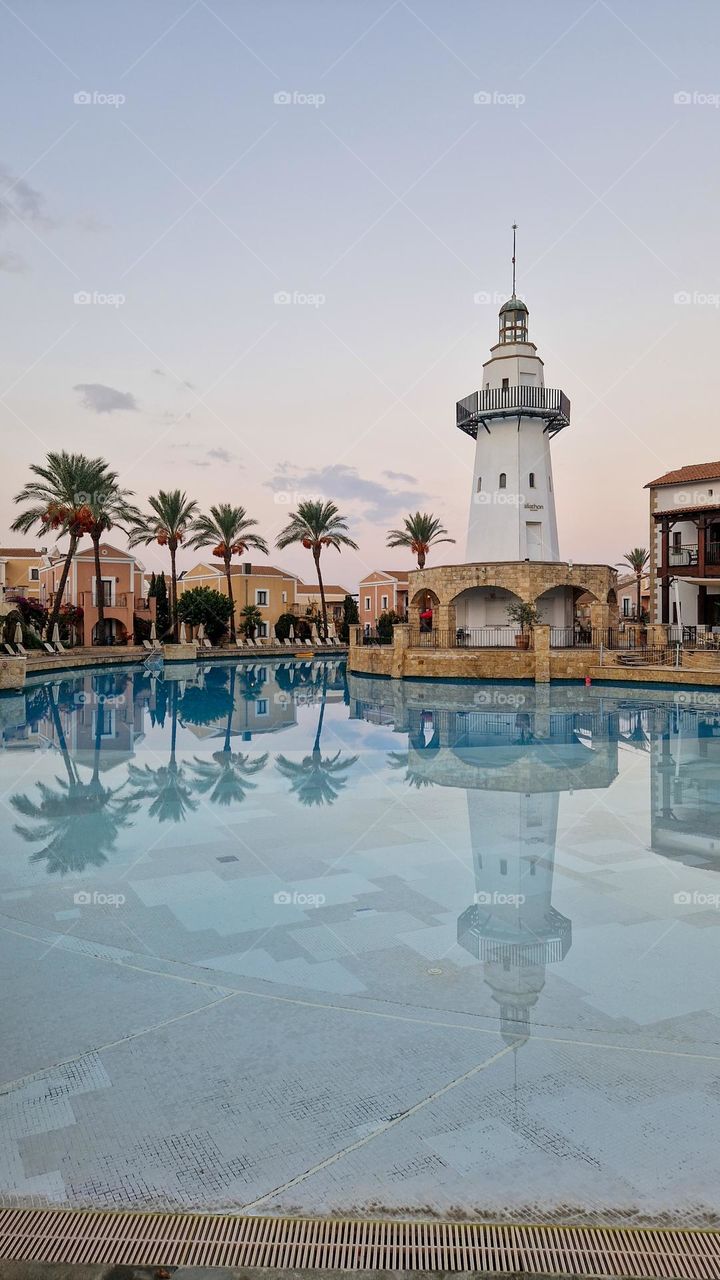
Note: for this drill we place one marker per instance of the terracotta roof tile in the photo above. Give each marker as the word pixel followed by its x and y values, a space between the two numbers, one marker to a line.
pixel 19 553
pixel 684 475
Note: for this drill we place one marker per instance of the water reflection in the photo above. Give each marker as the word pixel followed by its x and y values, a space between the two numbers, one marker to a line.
pixel 514 751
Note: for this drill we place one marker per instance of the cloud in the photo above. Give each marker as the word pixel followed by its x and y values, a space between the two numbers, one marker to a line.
pixel 25 202
pixel 400 476
pixel 221 455
pixel 12 262
pixel 101 399
pixel 338 483
pixel 160 373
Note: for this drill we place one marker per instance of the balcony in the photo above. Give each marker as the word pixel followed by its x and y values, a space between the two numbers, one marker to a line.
pixel 687 556
pixel 684 556
pixel 547 403
pixel 88 600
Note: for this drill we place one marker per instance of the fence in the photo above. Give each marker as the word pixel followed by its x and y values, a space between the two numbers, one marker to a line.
pixel 594 637
pixel 372 637
pixel 471 638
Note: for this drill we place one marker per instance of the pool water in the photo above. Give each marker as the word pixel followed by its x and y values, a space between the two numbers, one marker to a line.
pixel 277 938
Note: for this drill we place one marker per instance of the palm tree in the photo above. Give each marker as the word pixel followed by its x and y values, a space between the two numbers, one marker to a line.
pixel 317 779
pixel 421 531
pixel 229 528
pixel 166 523
pixel 59 499
pixel 108 506
pixel 317 525
pixel 638 559
pixel 251 618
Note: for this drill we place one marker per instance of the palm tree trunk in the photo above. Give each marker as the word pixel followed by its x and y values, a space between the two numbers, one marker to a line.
pixel 55 612
pixel 639 596
pixel 173 596
pixel 232 599
pixel 99 592
pixel 316 558
pixel 421 559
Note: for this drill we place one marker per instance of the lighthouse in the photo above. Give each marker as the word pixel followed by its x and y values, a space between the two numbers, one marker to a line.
pixel 513 418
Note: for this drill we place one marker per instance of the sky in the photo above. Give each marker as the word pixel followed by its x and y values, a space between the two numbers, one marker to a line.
pixel 255 249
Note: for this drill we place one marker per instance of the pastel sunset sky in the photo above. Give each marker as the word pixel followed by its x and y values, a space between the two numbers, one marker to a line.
pixel 334 151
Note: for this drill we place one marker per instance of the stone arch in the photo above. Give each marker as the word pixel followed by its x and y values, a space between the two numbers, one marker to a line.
pixel 422 601
pixel 612 596
pixel 483 606
pixel 115 631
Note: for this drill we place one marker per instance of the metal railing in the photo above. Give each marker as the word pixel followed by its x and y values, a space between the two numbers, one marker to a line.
pixel 545 401
pixel 685 555
pixel 88 599
pixel 374 637
pixel 594 637
pixel 471 638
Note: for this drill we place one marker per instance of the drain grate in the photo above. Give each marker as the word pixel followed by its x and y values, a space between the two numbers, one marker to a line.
pixel 216 1240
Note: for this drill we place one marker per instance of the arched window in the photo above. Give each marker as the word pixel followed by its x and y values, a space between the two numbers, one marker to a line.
pixel 532 479
pixel 479 484
pixel 503 480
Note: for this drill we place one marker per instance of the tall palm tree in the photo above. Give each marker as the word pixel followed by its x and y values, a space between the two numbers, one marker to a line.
pixel 317 525
pixel 167 522
pixel 229 528
pixel 108 506
pixel 421 531
pixel 638 559
pixel 58 499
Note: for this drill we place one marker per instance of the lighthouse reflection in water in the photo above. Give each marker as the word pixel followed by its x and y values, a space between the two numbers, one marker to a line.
pixel 513 758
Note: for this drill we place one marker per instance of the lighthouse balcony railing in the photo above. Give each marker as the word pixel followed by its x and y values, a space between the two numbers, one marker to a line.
pixel 547 402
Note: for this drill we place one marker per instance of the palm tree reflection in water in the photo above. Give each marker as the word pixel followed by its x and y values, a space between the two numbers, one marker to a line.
pixel 77 822
pixel 317 779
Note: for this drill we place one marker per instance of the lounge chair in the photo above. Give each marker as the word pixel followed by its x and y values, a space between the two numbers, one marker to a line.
pixel 206 643
pixel 287 643
pixel 307 643
pixel 239 642
pixel 21 649
pixel 146 644
pixel 59 646
pixel 9 649
pixel 46 645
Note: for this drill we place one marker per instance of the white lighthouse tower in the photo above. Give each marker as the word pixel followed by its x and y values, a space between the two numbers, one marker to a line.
pixel 513 419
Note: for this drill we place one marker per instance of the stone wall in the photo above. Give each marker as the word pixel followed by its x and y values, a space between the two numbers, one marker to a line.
pixel 527 579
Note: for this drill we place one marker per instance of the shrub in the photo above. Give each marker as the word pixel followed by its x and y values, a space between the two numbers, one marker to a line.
pixel 203 605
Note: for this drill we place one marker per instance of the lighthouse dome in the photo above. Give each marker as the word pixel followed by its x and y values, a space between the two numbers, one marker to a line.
pixel 513 304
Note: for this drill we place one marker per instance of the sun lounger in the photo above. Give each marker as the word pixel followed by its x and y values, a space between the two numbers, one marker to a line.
pixel 206 643
pixel 46 645
pixel 240 643
pixel 21 649
pixel 287 643
pixel 9 649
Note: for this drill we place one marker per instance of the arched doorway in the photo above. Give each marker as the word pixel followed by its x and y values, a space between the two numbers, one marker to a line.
pixel 110 631
pixel 422 610
pixel 481 615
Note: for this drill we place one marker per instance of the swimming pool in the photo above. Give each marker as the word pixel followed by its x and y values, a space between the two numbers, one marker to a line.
pixel 277 938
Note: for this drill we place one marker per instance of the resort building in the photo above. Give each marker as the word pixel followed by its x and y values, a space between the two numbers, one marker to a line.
pixel 309 603
pixel 627 597
pixel 20 572
pixel 380 591
pixel 123 586
pixel 272 591
pixel 685 546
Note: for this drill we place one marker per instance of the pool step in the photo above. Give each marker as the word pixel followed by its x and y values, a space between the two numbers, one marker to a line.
pixel 218 1240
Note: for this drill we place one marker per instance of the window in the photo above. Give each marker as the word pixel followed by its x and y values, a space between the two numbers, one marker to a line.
pixel 35 573
pixel 384 603
pixel 106 588
pixel 626 606
pixel 532 479
pixel 284 597
pixel 479 484
pixel 367 603
pixel 263 630
pixel 505 384
pixel 677 541
pixel 261 707
pixel 502 484
pixel 261 597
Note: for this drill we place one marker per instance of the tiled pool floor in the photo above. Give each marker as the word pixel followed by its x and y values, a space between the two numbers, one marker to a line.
pixel 467 982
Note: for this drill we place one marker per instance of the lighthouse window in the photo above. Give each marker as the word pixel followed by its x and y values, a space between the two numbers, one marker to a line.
pixel 532 479
pixel 503 480
pixel 479 484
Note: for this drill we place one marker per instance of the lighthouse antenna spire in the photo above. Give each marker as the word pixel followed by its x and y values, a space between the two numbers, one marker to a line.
pixel 514 230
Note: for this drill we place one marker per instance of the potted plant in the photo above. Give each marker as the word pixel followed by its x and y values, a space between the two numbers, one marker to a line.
pixel 525 616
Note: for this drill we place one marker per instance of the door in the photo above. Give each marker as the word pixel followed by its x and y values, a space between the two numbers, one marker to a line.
pixel 533 539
